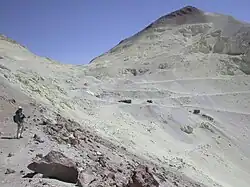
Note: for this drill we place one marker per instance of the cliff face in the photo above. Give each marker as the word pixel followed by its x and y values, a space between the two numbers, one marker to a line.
pixel 174 96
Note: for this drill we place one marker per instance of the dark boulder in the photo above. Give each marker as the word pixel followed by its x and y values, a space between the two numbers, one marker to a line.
pixel 149 101
pixel 56 165
pixel 128 101
pixel 196 111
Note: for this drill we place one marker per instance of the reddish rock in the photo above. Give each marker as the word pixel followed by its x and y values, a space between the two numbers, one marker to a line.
pixel 141 177
pixel 56 165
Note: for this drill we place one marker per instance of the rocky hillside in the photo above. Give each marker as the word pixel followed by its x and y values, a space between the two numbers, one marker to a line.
pixel 184 41
pixel 170 103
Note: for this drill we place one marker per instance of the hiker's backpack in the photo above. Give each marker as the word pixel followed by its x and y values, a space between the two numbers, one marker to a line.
pixel 15 118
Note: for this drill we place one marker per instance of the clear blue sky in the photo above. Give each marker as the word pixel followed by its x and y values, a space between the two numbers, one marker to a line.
pixel 75 31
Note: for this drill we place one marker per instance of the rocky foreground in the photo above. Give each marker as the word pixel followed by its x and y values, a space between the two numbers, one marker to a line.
pixel 93 161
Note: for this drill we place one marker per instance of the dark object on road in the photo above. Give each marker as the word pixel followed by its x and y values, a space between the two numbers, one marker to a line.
pixel 149 101
pixel 128 101
pixel 196 111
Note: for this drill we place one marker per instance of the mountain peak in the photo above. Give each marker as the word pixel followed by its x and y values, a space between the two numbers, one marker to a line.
pixel 187 10
pixel 185 15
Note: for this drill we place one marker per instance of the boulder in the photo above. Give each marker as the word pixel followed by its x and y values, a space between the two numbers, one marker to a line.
pixel 37 139
pixel 10 154
pixel 187 129
pixel 56 165
pixel 9 171
pixel 141 177
pixel 85 179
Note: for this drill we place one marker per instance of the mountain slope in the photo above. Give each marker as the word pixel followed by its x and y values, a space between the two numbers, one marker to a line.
pixel 186 60
pixel 188 41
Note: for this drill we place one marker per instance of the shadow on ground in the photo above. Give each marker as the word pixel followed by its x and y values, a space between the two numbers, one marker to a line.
pixel 8 137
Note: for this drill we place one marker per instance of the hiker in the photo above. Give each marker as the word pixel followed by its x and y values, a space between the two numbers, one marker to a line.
pixel 19 119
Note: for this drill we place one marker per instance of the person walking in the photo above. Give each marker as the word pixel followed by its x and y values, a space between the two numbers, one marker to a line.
pixel 19 119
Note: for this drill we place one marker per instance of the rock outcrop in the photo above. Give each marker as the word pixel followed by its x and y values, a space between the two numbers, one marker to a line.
pixel 56 165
